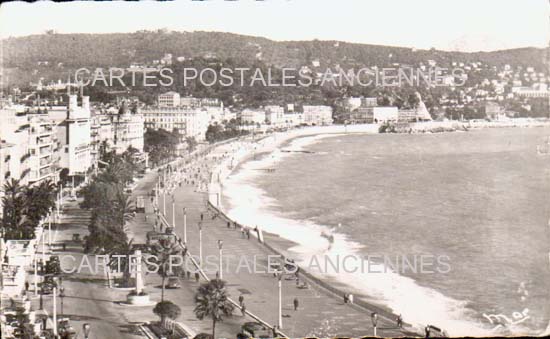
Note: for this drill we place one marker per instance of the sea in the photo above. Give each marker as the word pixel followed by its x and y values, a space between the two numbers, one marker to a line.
pixel 454 227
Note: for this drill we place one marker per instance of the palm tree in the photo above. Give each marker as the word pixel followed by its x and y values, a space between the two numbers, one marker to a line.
pixel 123 208
pixel 124 248
pixel 13 204
pixel 212 300
pixel 39 200
pixel 163 253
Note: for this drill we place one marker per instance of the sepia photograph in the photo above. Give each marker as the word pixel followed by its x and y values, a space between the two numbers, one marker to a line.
pixel 274 169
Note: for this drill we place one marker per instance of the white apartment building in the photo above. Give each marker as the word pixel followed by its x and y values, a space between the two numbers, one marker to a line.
pixel 43 149
pixel 128 130
pixel 74 134
pixel 14 132
pixel 385 114
pixel 169 99
pixel 275 115
pixel 189 121
pixel 292 119
pixel 101 132
pixel 253 116
pixel 318 115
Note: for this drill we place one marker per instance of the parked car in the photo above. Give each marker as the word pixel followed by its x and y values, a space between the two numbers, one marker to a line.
pixel 173 282
pixel 256 330
pixel 47 288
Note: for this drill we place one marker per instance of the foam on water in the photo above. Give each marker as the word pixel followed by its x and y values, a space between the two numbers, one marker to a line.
pixel 418 305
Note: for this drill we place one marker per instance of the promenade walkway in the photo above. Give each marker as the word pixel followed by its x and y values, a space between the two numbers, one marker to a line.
pixel 87 296
pixel 320 313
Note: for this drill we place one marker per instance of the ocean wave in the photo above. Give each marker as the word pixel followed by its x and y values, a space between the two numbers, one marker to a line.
pixel 419 305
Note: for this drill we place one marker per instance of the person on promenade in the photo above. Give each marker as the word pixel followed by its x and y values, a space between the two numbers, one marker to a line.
pixel 399 321
pixel 243 309
pixel 296 304
pixel 345 298
pixel 248 234
pixel 197 276
pixel 350 298
pixel 241 299
pixel 26 286
pixel 275 333
pixel 228 224
pixel 202 217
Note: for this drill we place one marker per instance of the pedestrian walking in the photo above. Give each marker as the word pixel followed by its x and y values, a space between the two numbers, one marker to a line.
pixel 350 298
pixel 248 234
pixel 64 247
pixel 427 330
pixel 345 298
pixel 197 276
pixel 243 309
pixel 202 217
pixel 275 333
pixel 399 321
pixel 296 304
pixel 26 286
pixel 241 299
pixel 228 224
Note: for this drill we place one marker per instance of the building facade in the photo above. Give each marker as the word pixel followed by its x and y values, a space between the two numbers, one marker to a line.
pixel 170 99
pixel 74 134
pixel 318 115
pixel 128 131
pixel 189 121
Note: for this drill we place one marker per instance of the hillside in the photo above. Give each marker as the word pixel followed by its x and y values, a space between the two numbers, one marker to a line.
pixel 122 49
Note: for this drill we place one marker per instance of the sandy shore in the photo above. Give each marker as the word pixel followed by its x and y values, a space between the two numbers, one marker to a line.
pixel 244 151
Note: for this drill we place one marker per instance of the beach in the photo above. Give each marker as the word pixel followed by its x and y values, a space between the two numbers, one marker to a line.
pixel 249 213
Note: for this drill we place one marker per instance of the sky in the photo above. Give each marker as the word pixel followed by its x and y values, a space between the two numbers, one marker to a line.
pixel 466 25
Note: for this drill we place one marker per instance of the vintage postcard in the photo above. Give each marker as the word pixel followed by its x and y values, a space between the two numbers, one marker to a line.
pixel 274 169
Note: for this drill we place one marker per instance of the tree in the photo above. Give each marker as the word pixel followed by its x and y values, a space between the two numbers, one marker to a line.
pixel 125 249
pixel 212 300
pixel 163 251
pixel 191 143
pixel 39 200
pixel 166 310
pixel 13 204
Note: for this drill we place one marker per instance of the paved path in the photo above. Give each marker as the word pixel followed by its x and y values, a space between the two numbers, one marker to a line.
pixel 320 313
pixel 88 298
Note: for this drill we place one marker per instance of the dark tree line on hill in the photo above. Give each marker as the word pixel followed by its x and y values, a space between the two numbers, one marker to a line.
pixel 121 49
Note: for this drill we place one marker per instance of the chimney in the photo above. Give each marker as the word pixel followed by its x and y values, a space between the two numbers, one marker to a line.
pixel 73 103
pixel 86 103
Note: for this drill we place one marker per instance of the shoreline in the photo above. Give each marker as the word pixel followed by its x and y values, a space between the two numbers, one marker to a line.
pixel 281 245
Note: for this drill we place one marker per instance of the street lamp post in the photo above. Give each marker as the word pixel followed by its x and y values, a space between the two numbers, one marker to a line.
pixel 86 329
pixel 220 247
pixel 173 212
pixel 54 311
pixel 41 307
pixel 35 274
pixel 280 286
pixel 62 295
pixel 200 244
pixel 43 248
pixel 50 229
pixel 185 225
pixel 374 319
pixel 164 201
